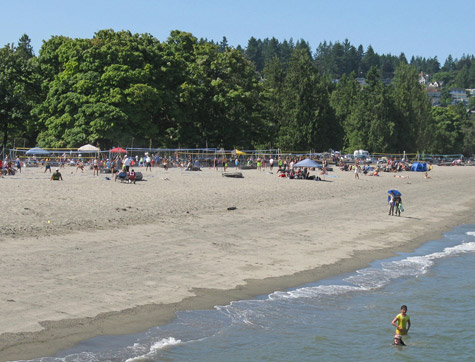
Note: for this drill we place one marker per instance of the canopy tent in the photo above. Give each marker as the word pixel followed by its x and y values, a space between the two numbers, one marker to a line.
pixel 118 150
pixel 37 151
pixel 88 149
pixel 308 163
pixel 419 167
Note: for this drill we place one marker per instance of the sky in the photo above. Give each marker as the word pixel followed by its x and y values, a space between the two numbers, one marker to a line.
pixel 426 28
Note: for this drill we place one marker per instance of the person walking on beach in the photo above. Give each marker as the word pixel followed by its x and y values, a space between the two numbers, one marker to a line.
pixel 391 203
pixel 357 172
pixel 402 322
pixel 398 205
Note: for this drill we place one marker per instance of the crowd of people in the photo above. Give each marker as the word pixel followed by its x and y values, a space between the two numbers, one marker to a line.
pixel 284 165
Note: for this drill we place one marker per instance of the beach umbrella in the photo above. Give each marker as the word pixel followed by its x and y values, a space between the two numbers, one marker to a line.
pixel 308 163
pixel 118 150
pixel 395 192
pixel 37 151
pixel 88 148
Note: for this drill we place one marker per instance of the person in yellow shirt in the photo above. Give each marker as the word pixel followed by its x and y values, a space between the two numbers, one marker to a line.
pixel 402 322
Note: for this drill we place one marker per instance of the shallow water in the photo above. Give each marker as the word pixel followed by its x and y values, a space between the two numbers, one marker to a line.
pixel 339 319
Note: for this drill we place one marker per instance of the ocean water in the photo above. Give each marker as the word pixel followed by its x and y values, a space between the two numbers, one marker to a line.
pixel 346 318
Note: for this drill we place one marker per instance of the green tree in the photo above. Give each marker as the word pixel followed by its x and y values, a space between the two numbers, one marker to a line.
pixel 412 107
pixel 343 100
pixel 272 96
pixel 220 99
pixel 105 90
pixel 254 53
pixel 18 90
pixel 447 131
pixel 307 116
pixel 370 59
pixel 370 125
pixel 461 79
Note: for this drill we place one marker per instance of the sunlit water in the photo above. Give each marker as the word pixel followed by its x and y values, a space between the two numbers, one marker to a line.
pixel 347 318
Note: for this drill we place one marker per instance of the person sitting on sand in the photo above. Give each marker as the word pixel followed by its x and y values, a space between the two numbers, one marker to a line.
pixel 375 173
pixel 426 175
pixel 56 176
pixel 121 175
pixel 132 176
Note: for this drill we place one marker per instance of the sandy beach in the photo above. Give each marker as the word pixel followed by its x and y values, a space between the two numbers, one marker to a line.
pixel 89 256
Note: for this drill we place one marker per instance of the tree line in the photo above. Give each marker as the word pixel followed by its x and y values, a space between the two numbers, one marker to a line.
pixel 119 88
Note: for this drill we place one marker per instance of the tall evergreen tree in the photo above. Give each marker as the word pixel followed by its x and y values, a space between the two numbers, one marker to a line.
pixel 371 125
pixel 307 115
pixel 413 109
pixel 343 100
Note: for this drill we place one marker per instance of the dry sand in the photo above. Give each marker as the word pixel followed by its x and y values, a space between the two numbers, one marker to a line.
pixel 87 256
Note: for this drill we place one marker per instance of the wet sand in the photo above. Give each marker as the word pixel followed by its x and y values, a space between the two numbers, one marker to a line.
pixel 88 256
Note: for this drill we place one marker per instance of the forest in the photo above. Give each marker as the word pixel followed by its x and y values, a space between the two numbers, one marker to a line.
pixel 119 88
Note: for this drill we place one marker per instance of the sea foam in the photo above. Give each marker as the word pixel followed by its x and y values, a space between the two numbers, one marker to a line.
pixel 163 343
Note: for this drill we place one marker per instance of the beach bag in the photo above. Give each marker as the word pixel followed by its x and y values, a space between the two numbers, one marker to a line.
pixel 401 208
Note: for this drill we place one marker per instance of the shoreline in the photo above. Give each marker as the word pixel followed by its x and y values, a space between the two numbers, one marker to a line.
pixel 64 333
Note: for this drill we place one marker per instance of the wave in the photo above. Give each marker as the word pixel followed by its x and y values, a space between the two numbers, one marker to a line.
pixel 163 343
pixel 375 278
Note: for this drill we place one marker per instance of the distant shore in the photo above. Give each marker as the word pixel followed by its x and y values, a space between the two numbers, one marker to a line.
pixel 88 256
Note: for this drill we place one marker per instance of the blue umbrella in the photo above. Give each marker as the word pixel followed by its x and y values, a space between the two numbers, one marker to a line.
pixel 307 163
pixel 37 151
pixel 395 192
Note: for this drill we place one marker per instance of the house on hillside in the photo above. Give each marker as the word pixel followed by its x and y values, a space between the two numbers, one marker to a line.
pixel 434 96
pixel 435 85
pixel 458 95
pixel 423 78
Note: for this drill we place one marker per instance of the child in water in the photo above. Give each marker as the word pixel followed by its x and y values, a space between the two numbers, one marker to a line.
pixel 402 322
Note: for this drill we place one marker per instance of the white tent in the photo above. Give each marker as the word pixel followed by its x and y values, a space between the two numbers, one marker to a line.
pixel 88 149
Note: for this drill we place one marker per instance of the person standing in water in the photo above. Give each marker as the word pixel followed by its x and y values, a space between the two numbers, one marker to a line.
pixel 402 322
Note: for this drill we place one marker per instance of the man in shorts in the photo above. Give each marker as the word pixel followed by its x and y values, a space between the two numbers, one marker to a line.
pixel 148 163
